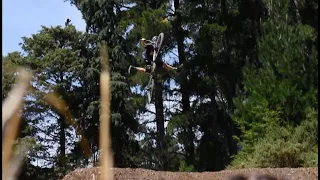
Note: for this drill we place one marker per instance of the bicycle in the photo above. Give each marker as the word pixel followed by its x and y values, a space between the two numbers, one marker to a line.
pixel 156 50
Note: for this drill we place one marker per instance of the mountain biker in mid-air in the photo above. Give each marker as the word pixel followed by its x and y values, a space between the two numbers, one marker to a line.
pixel 147 55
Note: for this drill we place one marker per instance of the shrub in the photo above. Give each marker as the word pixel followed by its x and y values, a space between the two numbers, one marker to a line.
pixel 283 146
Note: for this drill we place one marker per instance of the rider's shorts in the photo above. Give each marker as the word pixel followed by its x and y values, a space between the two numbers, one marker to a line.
pixel 159 63
pixel 146 53
pixel 147 58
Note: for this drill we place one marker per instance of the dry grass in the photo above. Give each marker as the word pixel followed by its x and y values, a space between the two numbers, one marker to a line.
pixel 11 116
pixel 61 106
pixel 106 160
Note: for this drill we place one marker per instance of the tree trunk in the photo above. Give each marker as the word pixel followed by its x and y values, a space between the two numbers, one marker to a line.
pixel 62 135
pixel 179 33
pixel 160 122
pixel 229 126
pixel 62 141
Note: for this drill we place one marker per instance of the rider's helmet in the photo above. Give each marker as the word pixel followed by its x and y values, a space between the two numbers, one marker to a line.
pixel 142 42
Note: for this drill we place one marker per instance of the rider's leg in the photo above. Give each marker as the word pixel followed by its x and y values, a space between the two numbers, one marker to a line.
pixel 147 56
pixel 140 69
pixel 168 67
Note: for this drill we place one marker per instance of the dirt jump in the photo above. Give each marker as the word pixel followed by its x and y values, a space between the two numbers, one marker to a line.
pixel 241 174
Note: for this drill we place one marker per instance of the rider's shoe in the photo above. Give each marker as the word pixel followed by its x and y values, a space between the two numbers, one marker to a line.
pixel 129 69
pixel 179 67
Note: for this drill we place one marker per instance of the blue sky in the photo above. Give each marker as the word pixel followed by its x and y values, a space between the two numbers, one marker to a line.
pixel 25 17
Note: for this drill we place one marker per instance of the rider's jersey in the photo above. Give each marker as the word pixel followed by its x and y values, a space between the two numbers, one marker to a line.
pixel 148 49
pixel 146 54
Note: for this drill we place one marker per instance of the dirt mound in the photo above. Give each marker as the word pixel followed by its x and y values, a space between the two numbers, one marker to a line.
pixel 242 174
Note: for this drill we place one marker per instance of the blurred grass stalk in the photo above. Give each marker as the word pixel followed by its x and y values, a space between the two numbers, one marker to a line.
pixel 11 109
pixel 106 159
pixel 62 108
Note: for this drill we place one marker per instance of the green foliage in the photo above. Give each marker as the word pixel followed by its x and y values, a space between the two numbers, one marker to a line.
pixel 185 168
pixel 284 146
pixel 276 111
pixel 146 23
pixel 9 67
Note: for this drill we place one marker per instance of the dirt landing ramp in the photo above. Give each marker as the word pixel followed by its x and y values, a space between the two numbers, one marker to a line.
pixel 249 174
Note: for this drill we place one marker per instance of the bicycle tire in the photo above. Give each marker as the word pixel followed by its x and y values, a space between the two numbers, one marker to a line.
pixel 158 46
pixel 159 42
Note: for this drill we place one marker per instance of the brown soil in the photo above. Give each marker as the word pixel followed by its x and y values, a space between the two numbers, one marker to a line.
pixel 249 174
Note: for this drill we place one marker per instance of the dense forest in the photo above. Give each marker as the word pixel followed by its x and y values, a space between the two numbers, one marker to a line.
pixel 248 96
